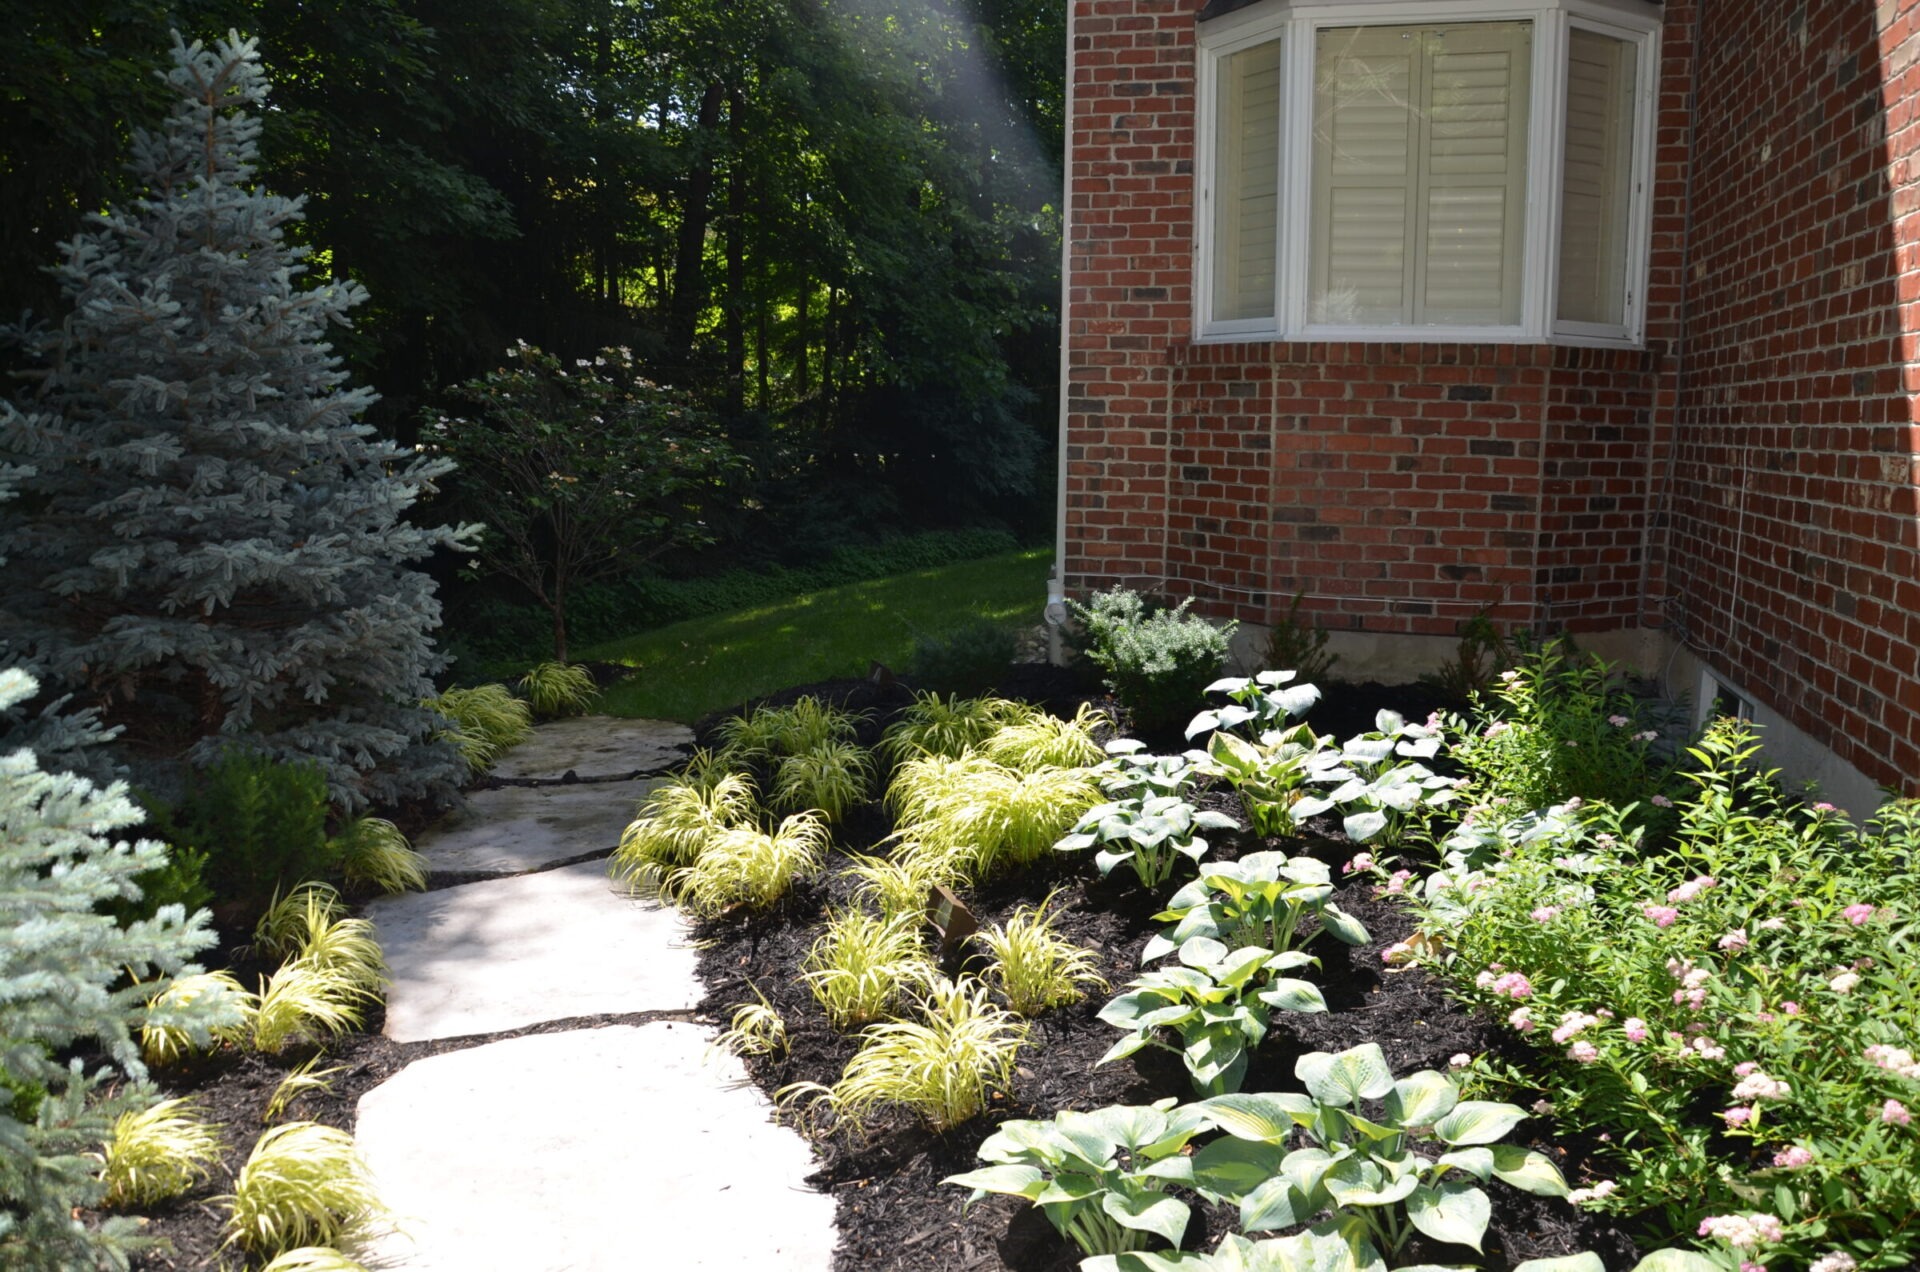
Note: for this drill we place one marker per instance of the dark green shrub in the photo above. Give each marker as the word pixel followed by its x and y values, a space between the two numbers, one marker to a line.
pixel 1299 645
pixel 259 825
pixel 967 660
pixel 1157 663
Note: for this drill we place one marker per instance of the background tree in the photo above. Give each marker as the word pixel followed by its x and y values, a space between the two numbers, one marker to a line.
pixel 581 474
pixel 212 549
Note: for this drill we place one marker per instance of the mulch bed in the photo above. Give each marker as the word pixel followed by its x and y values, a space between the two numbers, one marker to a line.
pixel 893 1211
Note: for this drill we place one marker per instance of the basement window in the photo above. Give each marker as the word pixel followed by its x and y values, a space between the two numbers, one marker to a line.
pixel 1452 170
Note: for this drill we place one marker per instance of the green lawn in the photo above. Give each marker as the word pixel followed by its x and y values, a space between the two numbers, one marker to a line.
pixel 703 664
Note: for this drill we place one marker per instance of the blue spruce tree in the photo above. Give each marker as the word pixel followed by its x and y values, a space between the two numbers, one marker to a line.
pixel 211 548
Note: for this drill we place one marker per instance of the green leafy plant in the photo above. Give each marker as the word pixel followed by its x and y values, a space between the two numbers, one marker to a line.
pixel 1155 663
pixel 1046 741
pixel 860 968
pixel 676 821
pixel 1263 900
pixel 743 866
pixel 1380 778
pixel 1258 703
pixel 209 1008
pixel 972 818
pixel 1297 643
pixel 1033 966
pixel 941 1066
pixel 302 1080
pixel 1218 1000
pixel 302 1185
pixel 261 824
pixel 374 853
pixel 1362 1128
pixel 559 689
pixel 896 888
pixel 308 1001
pixel 1269 775
pixel 832 777
pixel 1130 771
pixel 764 734
pixel 1100 1177
pixel 970 658
pixel 158 1153
pixel 483 722
pixel 1342 1245
pixel 1482 654
pixel 755 1029
pixel 948 727
pixel 1148 835
pixel 310 924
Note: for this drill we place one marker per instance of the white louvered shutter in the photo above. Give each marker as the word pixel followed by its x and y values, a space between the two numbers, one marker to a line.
pixel 1419 174
pixel 1595 184
pixel 1247 189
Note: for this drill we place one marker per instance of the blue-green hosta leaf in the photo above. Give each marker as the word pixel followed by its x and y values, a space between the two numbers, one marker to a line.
pixel 1418 748
pixel 1123 1010
pixel 1585 1261
pixel 1125 1047
pixel 1174 1170
pixel 1298 699
pixel 1477 1162
pixel 1217 1064
pixel 1126 1126
pixel 1478 1122
pixel 1239 967
pixel 1274 677
pixel 1325 1247
pixel 1148 1212
pixel 1207 819
pixel 1436 1267
pixel 1067 1188
pixel 1345 928
pixel 1421 1099
pixel 1289 994
pixel 1388 721
pixel 1267 1117
pixel 1085 1141
pixel 1364 825
pixel 1149 1261
pixel 1359 1181
pixel 1229 1169
pixel 1125 746
pixel 1453 1210
pixel 1528 1171
pixel 1106 860
pixel 1158 946
pixel 1304 870
pixel 1398 792
pixel 1202 951
pixel 1276 1203
pixel 1194 847
pixel 1310 806
pixel 1014 1181
pixel 1341 1079
pixel 1232 753
pixel 1023 1140
pixel 1674 1261
pixel 1074 843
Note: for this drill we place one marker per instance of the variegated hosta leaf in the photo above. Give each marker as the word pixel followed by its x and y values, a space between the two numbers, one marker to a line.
pixel 1585 1261
pixel 1344 1078
pixel 1674 1261
pixel 1344 927
pixel 1452 1210
pixel 1014 1181
pixel 1148 1212
pixel 1477 1162
pixel 1268 1117
pixel 1421 1099
pixel 1289 994
pixel 1364 825
pixel 1325 1247
pixel 1230 1168
pixel 1528 1171
pixel 1478 1122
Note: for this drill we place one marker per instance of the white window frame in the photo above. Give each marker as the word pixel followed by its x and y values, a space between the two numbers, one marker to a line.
pixel 1297 24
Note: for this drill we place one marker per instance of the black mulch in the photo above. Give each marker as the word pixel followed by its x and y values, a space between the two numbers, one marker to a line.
pixel 893 1211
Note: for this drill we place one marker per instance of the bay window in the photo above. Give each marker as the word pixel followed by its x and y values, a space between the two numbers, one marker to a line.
pixel 1397 170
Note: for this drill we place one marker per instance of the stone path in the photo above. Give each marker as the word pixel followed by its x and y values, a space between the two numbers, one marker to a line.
pixel 584 1149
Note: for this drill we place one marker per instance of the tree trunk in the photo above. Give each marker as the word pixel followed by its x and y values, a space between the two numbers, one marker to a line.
pixel 689 292
pixel 559 607
pixel 733 319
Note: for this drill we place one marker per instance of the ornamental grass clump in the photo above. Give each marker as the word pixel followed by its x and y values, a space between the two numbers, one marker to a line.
pixel 158 1153
pixel 283 927
pixel 195 1013
pixel 1047 741
pixel 676 821
pixel 977 818
pixel 374 853
pixel 307 1002
pixel 896 887
pixel 756 1029
pixel 485 720
pixel 745 867
pixel 303 1185
pixel 832 777
pixel 1034 967
pixel 861 967
pixel 941 1066
pixel 310 925
pixel 555 689
pixel 948 727
pixel 303 1080
pixel 764 734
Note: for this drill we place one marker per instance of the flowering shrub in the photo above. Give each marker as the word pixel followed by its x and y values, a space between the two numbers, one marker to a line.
pixel 1758 965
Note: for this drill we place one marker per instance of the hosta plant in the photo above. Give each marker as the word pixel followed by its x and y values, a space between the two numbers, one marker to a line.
pixel 1262 899
pixel 832 777
pixel 1337 1245
pixel 1397 1156
pixel 1379 782
pixel 303 1185
pixel 743 866
pixel 861 967
pixel 1035 967
pixel 1218 1000
pixel 559 689
pixel 675 822
pixel 1047 741
pixel 1148 835
pixel 1258 704
pixel 1100 1178
pixel 1269 773
pixel 194 1013
pixel 941 1066
pixel 374 853
pixel 1130 771
pixel 157 1153
pixel 313 1259
pixel 951 727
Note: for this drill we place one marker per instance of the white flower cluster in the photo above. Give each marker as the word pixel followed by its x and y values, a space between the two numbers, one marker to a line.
pixel 1896 1060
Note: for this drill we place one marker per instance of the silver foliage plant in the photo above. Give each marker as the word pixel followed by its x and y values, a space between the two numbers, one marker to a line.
pixel 70 976
pixel 209 545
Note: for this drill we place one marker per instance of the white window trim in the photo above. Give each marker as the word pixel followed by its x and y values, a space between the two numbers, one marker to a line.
pixel 1297 25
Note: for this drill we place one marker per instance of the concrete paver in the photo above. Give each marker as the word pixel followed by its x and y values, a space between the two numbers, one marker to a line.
pixel 519 828
pixel 596 746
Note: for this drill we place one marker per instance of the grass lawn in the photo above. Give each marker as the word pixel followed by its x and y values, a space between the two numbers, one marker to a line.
pixel 703 664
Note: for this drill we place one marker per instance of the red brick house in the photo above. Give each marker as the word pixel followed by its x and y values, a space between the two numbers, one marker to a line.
pixel 1595 314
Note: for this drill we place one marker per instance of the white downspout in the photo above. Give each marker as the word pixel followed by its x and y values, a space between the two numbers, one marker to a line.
pixel 1056 587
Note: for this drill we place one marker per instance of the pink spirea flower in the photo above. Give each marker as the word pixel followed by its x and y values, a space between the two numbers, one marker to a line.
pixel 1743 1232
pixel 1495 729
pixel 1844 982
pixel 1858 914
pixel 1398 882
pixel 1837 1261
pixel 1599 1192
pixel 1618 721
pixel 1661 915
pixel 1823 807
pixel 1793 1157
pixel 1894 1113
pixel 1738 1115
pixel 1745 1067
pixel 1645 736
pixel 1894 1060
pixel 1545 914
pixel 1635 1029
pixel 1583 1052
pixel 1691 889
pixel 1661 801
pixel 1734 941
pixel 1707 1049
pixel 1398 952
pixel 1521 1018
pixel 1363 861
pixel 1790 1007
pixel 1748 1265
pixel 1571 1023
pixel 1772 925
pixel 1512 985
pixel 1756 1085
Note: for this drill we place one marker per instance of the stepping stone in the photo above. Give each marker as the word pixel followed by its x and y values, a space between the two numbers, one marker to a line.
pixel 519 828
pixel 506 953
pixel 596 746
pixel 594 1150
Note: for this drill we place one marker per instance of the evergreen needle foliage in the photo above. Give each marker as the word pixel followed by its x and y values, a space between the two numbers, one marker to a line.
pixel 559 689
pixel 861 965
pixel 374 853
pixel 158 1153
pixel 73 978
pixel 1047 741
pixel 304 1080
pixel 1035 967
pixel 948 727
pixel 832 777
pixel 214 548
pixel 211 1007
pixel 486 720
pixel 676 820
pixel 303 1185
pixel 746 866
